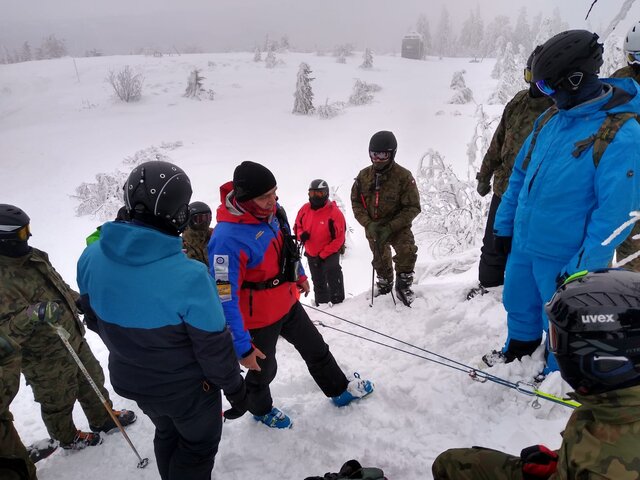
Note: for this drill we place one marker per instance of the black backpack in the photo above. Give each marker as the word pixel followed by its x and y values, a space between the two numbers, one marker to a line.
pixel 353 470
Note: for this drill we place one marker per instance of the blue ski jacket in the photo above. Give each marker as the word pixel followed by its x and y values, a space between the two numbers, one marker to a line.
pixel 157 312
pixel 562 207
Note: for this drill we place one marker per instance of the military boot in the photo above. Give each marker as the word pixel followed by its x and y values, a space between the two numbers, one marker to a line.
pixel 383 286
pixel 403 288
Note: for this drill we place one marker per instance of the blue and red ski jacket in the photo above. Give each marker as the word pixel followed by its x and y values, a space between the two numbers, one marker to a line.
pixel 244 249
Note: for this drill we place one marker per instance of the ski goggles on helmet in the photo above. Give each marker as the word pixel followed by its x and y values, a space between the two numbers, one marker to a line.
pixel 528 75
pixel 380 156
pixel 317 193
pixel 545 87
pixel 201 218
pixel 633 58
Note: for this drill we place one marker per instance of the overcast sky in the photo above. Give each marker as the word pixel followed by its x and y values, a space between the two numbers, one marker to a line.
pixel 121 26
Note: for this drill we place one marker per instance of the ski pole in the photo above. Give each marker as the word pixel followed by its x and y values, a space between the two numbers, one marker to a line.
pixel 64 336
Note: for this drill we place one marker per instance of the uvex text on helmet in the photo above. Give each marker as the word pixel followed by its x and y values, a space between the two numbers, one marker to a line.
pixel 383 141
pixel 12 220
pixel 566 53
pixel 160 189
pixel 594 330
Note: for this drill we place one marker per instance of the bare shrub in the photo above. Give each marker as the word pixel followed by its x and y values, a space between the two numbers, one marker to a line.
pixel 126 84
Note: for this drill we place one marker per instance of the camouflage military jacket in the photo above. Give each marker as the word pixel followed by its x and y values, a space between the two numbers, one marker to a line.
pixel 602 438
pixel 28 280
pixel 390 197
pixel 195 243
pixel 626 72
pixel 515 125
pixel 9 375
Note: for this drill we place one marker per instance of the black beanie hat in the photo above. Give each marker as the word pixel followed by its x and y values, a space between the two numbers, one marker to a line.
pixel 250 180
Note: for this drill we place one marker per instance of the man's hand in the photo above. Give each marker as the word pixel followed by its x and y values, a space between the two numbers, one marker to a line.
pixel 484 186
pixel 304 237
pixel 304 287
pixel 502 244
pixel 383 233
pixel 250 362
pixel 239 403
pixel 538 462
pixel 44 312
pixel 371 229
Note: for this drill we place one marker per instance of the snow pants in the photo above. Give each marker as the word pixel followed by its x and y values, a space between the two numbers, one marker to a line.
pixel 297 329
pixel 476 463
pixel 188 431
pixel 326 275
pixel 529 283
pixel 492 263
pixel 405 258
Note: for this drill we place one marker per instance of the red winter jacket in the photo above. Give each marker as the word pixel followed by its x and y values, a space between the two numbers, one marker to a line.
pixel 326 228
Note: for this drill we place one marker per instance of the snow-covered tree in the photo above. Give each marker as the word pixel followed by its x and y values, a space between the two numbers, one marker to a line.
pixel 613 55
pixel 496 72
pixel 303 103
pixel 480 141
pixel 511 80
pixel 126 85
pixel 270 60
pixel 284 43
pixel 472 33
pixel 367 59
pixel 444 38
pixel 362 93
pixel 499 27
pixel 341 58
pixel 195 88
pixel 522 31
pixel 545 32
pixel 330 110
pixel 422 27
pixel 462 94
pixel 51 47
pixel 257 55
pixel 25 53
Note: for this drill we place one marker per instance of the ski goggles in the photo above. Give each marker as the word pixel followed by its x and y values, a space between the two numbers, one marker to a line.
pixel 380 156
pixel 633 58
pixel 528 75
pixel 23 233
pixel 201 218
pixel 545 87
pixel 317 193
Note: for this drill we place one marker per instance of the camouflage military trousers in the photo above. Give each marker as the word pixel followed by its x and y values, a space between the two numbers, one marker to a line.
pixel 57 383
pixel 629 247
pixel 405 258
pixel 476 463
pixel 14 459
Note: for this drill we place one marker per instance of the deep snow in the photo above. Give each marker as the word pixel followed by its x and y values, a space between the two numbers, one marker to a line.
pixel 57 132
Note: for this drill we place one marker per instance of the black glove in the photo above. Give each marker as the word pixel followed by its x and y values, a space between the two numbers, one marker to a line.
pixel 484 186
pixel 561 278
pixel 538 462
pixel 239 401
pixel 45 312
pixel 502 244
pixel 304 237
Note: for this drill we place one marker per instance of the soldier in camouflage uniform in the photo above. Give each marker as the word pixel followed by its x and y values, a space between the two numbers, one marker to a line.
pixel 632 70
pixel 28 283
pixel 602 435
pixel 515 125
pixel 14 457
pixel 195 238
pixel 385 200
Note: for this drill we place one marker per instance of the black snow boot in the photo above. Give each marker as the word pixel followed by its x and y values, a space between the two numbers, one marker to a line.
pixel 383 286
pixel 403 288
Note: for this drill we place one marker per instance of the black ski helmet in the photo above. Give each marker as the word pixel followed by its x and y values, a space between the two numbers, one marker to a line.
pixel 594 330
pixel 565 54
pixel 12 220
pixel 159 189
pixel 321 185
pixel 199 214
pixel 383 141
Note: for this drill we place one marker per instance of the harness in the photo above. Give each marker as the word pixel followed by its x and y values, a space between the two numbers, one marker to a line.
pixel 599 140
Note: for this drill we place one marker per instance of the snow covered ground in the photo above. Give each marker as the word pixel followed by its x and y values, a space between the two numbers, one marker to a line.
pixel 59 127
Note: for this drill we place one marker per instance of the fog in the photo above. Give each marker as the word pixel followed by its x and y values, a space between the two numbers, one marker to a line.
pixel 122 26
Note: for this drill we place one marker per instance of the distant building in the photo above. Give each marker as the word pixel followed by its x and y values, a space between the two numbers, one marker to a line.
pixel 413 46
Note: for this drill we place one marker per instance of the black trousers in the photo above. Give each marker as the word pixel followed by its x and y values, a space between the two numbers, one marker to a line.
pixel 326 275
pixel 297 329
pixel 188 431
pixel 492 263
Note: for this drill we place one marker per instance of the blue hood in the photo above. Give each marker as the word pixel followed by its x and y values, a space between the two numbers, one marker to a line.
pixel 135 244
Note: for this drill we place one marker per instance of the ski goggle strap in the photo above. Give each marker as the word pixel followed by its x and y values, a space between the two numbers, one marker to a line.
pixel 633 58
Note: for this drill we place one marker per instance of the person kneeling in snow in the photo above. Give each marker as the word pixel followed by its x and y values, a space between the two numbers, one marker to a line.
pixel 595 334
pixel 256 264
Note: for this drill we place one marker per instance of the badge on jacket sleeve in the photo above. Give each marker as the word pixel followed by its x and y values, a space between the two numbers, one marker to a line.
pixel 221 272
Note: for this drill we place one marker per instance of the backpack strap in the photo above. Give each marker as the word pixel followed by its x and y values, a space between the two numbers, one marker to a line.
pixel 546 116
pixel 604 136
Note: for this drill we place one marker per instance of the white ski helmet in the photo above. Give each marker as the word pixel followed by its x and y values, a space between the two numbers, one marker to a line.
pixel 632 45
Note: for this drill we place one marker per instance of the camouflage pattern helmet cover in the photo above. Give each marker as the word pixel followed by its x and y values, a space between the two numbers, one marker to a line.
pixel 594 330
pixel 12 219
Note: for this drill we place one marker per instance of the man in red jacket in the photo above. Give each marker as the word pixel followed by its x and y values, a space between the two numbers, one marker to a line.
pixel 320 226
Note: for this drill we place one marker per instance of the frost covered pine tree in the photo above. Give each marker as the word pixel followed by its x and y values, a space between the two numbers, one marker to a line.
pixel 522 31
pixel 367 59
pixel 270 60
pixel 422 27
pixel 303 103
pixel 444 37
pixel 257 55
pixel 472 34
pixel 463 94
pixel 194 87
pixel 511 81
pixel 613 55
